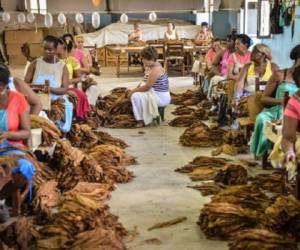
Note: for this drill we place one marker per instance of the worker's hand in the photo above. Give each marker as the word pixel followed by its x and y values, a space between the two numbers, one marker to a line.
pixel 3 135
pixel 290 156
pixel 129 94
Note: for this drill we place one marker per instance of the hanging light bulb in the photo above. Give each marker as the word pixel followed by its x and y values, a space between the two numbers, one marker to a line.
pixel 21 18
pixel 61 18
pixel 152 17
pixel 30 18
pixel 124 18
pixel 79 18
pixel 96 20
pixel 48 20
pixel 6 17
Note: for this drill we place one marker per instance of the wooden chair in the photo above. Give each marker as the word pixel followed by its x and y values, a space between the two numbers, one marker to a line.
pixel 175 52
pixel 255 106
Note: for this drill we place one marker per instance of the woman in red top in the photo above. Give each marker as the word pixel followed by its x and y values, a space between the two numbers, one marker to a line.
pixel 14 131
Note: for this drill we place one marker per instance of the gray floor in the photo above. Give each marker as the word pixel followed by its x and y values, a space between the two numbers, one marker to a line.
pixel 157 193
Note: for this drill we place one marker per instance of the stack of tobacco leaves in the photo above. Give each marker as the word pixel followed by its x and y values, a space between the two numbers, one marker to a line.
pixel 205 104
pixel 73 166
pixel 188 98
pixel 183 121
pixel 234 143
pixel 46 198
pixel 271 182
pixel 18 235
pixel 208 188
pixel 84 137
pixel 232 174
pixel 189 119
pixel 113 160
pixel 200 135
pixel 232 210
pixel 262 239
pixel 105 138
pixel 57 112
pixel 203 168
pixel 115 110
pixel 79 214
pixel 223 220
pixel 183 110
pixel 246 196
pixel 283 216
pixel 50 133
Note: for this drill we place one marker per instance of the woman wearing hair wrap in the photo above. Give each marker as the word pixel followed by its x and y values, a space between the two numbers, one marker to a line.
pixel 281 81
pixel 260 67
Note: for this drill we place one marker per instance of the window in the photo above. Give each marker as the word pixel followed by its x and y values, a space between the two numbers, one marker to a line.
pixel 37 6
pixel 264 29
pixel 250 21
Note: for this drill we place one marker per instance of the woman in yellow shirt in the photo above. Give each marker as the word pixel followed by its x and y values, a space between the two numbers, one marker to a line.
pixel 63 50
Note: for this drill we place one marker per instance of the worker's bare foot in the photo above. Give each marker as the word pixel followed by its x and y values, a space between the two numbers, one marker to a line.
pixel 140 124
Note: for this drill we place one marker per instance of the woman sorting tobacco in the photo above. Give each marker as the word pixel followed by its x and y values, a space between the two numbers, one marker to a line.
pixel 153 93
pixel 15 181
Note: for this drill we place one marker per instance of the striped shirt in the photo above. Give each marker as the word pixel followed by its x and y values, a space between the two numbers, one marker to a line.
pixel 161 84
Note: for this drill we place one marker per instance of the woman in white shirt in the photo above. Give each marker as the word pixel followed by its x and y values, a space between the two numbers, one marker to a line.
pixel 171 33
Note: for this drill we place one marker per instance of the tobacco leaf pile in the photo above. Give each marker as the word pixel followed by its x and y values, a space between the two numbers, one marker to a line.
pixel 50 133
pixel 187 120
pixel 234 143
pixel 188 98
pixel 81 214
pixel 114 110
pixel 70 191
pixel 271 182
pixel 85 137
pixel 262 239
pixel 57 112
pixel 240 210
pixel 200 135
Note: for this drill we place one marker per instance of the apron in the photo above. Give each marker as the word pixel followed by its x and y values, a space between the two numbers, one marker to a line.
pixel 64 125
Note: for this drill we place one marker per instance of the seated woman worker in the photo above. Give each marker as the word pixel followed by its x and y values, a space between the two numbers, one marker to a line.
pixel 154 93
pixel 16 84
pixel 281 81
pixel 50 68
pixel 291 122
pixel 260 68
pixel 16 181
pixel 63 51
pixel 240 57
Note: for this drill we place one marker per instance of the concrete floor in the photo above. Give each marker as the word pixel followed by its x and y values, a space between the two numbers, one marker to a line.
pixel 157 193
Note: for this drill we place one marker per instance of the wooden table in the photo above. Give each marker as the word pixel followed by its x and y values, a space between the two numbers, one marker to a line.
pixel 118 50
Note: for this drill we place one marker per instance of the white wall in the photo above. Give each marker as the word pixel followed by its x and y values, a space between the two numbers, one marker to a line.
pixel 124 5
pixel 55 6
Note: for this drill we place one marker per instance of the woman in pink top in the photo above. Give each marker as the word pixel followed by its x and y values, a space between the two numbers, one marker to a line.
pixel 82 55
pixel 291 123
pixel 212 53
pixel 220 64
pixel 240 57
